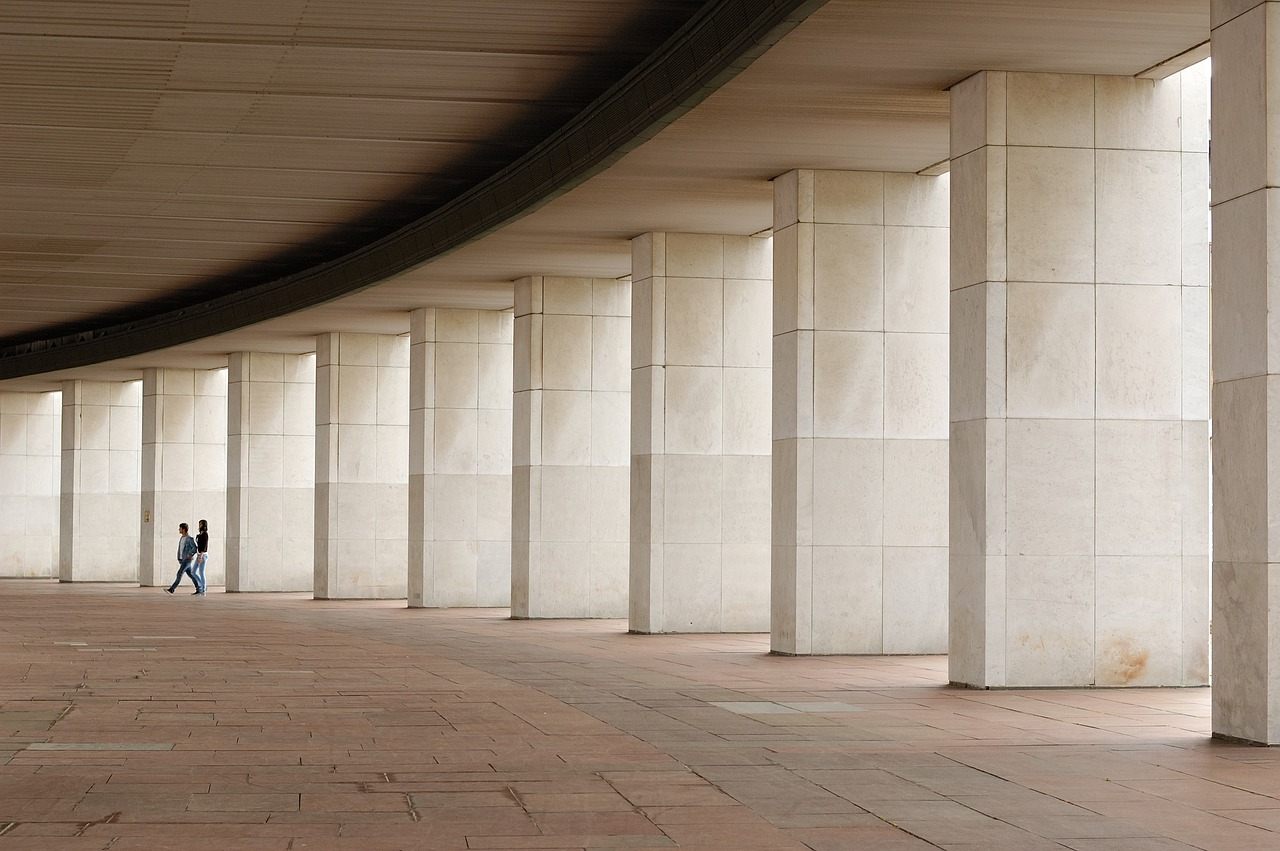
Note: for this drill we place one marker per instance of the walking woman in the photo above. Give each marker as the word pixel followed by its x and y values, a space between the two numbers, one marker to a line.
pixel 202 556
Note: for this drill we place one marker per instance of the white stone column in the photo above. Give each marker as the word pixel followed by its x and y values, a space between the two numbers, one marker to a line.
pixel 184 467
pixel 1079 441
pixel 860 413
pixel 271 448
pixel 30 425
pixel 460 458
pixel 362 466
pixel 100 502
pixel 571 482
pixel 701 310
pixel 1246 371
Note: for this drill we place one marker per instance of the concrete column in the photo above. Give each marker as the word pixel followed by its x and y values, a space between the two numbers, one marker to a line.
pixel 460 458
pixel 100 499
pixel 1079 375
pixel 271 449
pixel 571 483
pixel 860 413
pixel 29 473
pixel 701 309
pixel 184 467
pixel 362 466
pixel 1246 371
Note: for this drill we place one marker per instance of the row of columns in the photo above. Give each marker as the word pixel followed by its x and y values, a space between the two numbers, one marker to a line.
pixel 1063 501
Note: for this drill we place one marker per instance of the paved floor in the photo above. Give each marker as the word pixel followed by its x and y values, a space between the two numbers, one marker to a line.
pixel 130 719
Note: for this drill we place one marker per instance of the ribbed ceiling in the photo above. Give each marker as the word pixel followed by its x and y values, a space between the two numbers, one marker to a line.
pixel 154 154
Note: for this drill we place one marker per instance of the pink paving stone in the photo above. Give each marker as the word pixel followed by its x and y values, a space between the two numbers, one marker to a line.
pixel 301 724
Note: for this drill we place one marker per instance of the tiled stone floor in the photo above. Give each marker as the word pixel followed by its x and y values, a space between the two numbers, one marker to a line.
pixel 130 719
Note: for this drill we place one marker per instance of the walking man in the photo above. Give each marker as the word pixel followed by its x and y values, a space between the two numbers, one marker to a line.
pixel 186 552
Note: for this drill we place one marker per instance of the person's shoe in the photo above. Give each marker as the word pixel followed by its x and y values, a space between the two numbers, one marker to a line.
pixel 193 593
pixel 168 590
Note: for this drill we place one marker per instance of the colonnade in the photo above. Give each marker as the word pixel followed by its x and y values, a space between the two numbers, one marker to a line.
pixel 797 434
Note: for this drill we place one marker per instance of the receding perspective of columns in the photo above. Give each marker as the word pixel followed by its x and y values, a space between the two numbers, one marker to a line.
pixel 184 467
pixel 570 479
pixel 701 308
pixel 30 425
pixel 271 468
pixel 362 466
pixel 100 500
pixel 860 413
pixel 460 458
pixel 1246 371
pixel 1079 378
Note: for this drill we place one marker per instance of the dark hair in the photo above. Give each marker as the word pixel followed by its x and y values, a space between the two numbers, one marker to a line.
pixel 182 526
pixel 204 526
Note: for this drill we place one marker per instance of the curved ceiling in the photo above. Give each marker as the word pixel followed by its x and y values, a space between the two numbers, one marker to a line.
pixel 162 153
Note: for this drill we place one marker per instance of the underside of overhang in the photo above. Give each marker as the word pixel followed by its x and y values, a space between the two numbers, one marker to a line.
pixel 208 199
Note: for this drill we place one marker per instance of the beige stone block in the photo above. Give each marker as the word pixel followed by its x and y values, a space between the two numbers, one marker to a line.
pixel 694 410
pixel 455 381
pixel 610 297
pixel 1196 512
pixel 1139 621
pixel 978 358
pixel 793 278
pixel 1242 487
pixel 744 589
pixel 1241 280
pixel 694 334
pixel 748 258
pixel 1051 238
pixel 746 423
pixel 1241 80
pixel 610 353
pixel 1050 355
pixel 691 588
pixel 692 501
pixel 1050 110
pixel 1138 114
pixel 567 296
pixel 848 492
pixel 914 200
pixel 566 352
pixel 792 199
pixel 746 499
pixel 915 385
pixel 1139 217
pixel 1139 488
pixel 566 504
pixel 848 275
pixel 847 589
pixel 1244 597
pixel 1050 487
pixel 915 493
pixel 916 282
pixel 978 112
pixel 979 239
pixel 977 494
pixel 566 427
pixel 1050 621
pixel 848 197
pixel 1195 353
pixel 1195 220
pixel 848 392
pixel 748 319
pixel 694 255
pixel 792 380
pixel 1139 352
pixel 610 423
pixel 915 600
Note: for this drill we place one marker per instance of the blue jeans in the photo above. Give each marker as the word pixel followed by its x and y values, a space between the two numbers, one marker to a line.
pixel 185 567
pixel 197 573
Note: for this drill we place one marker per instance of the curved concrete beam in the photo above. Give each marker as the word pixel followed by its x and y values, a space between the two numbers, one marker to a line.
pixel 724 37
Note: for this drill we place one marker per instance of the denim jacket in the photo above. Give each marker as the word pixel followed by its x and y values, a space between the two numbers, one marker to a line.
pixel 186 548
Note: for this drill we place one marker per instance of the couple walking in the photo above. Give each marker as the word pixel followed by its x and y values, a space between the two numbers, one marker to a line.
pixel 193 555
